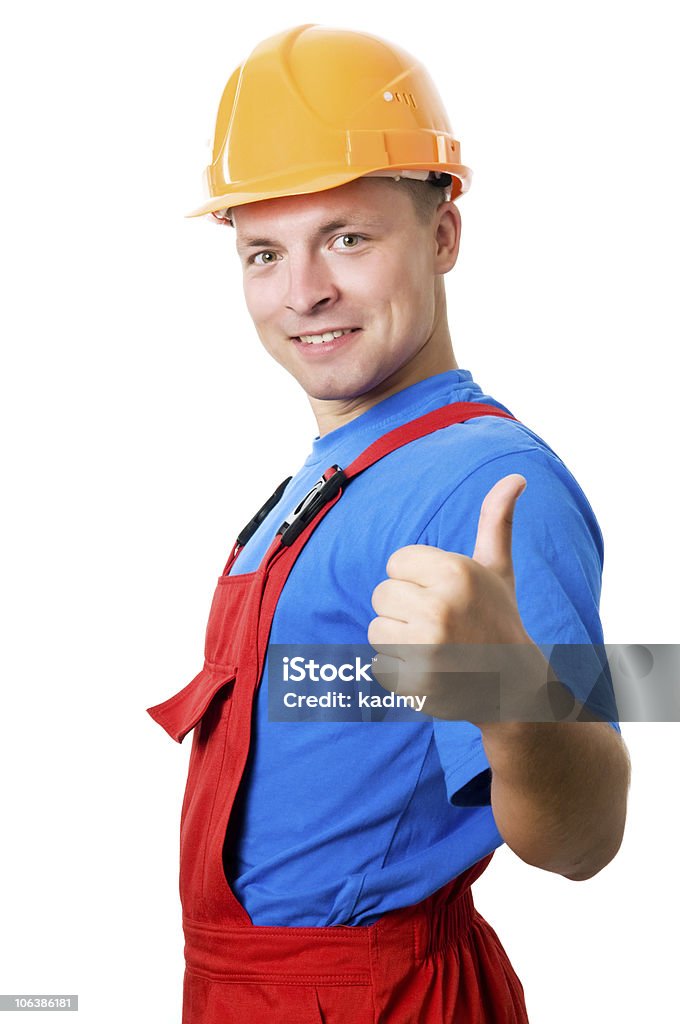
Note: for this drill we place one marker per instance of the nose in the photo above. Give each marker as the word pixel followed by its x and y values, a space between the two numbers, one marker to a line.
pixel 310 284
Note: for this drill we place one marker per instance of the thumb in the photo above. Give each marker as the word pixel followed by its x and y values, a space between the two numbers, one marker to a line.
pixel 493 546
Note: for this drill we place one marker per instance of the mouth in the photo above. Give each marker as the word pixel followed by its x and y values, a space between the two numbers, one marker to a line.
pixel 327 337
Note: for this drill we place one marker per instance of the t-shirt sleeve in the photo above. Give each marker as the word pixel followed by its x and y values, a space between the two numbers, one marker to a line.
pixel 557 552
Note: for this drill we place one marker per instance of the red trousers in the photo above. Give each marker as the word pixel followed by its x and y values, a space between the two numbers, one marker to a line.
pixel 438 961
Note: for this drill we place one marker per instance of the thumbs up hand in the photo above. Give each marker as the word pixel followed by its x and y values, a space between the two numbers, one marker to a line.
pixel 444 622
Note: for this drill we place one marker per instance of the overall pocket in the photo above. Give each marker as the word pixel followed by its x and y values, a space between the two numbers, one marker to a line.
pixel 228 622
pixel 270 1001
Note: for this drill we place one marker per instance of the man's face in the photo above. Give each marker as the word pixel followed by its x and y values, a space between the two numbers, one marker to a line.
pixel 355 259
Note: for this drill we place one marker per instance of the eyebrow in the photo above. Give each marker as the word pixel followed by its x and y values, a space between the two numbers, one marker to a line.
pixel 249 242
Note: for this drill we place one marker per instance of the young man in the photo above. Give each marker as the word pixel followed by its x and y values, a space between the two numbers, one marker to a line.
pixel 326 866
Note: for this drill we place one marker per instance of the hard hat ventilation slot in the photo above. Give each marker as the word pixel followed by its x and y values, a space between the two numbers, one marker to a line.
pixel 406 97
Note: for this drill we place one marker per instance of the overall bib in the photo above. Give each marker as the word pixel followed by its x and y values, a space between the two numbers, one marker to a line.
pixel 435 962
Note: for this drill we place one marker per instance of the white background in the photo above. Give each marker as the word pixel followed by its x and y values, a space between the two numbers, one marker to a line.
pixel 144 424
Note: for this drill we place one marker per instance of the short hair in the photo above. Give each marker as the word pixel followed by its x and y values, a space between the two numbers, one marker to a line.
pixel 426 196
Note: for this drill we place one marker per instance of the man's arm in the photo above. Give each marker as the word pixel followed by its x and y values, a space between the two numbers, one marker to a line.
pixel 559 792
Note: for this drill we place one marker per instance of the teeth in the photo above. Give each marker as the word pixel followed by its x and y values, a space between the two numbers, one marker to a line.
pixel 318 339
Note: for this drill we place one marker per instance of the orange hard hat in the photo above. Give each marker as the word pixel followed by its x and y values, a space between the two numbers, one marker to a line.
pixel 313 108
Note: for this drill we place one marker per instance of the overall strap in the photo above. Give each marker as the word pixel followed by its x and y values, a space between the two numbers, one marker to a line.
pixel 295 531
pixel 333 481
pixel 456 412
pixel 335 478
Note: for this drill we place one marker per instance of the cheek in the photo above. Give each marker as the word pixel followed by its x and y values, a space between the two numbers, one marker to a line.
pixel 405 279
pixel 369 286
pixel 261 300
pixel 408 295
pixel 417 289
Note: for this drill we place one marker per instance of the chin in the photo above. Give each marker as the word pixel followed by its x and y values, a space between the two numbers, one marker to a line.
pixel 345 391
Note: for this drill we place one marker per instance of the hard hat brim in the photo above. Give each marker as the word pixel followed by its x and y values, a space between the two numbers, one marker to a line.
pixel 236 195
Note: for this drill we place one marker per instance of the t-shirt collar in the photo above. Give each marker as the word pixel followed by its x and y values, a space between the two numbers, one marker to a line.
pixel 390 412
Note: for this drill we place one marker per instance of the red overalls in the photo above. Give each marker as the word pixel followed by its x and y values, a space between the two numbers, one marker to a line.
pixel 438 961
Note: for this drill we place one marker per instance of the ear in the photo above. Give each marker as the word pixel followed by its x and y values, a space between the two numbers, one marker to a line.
pixel 447 237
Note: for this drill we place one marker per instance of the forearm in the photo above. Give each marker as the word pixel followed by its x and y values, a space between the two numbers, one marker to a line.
pixel 559 792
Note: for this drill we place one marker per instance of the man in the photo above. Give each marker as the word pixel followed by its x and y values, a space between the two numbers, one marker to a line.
pixel 326 866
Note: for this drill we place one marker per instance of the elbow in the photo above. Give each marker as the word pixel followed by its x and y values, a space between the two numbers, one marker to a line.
pixel 588 867
pixel 583 876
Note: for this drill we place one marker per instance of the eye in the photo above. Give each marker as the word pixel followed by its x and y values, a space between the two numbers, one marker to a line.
pixel 264 262
pixel 348 241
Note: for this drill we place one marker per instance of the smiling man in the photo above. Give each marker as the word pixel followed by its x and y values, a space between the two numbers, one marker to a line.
pixel 326 866
pixel 347 291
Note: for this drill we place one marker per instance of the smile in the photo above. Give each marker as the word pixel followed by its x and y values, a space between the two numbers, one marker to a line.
pixel 325 336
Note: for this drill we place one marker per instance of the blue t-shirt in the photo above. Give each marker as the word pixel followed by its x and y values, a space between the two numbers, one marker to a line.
pixel 339 822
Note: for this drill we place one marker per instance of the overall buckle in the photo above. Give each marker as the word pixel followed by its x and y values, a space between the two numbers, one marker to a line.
pixel 262 513
pixel 323 490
